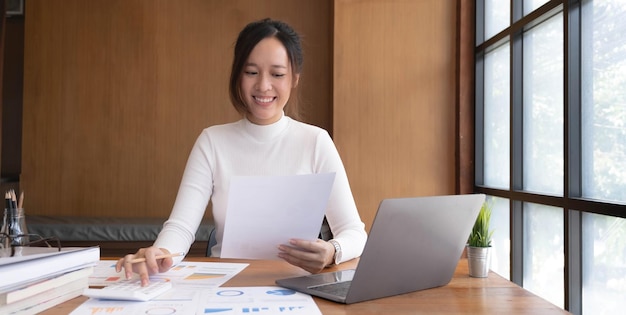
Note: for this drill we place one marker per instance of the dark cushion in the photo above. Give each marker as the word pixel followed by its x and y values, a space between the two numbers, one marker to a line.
pixel 104 228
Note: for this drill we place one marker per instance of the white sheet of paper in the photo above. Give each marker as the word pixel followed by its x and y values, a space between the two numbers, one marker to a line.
pixel 266 211
pixel 188 273
pixel 257 300
pixel 222 300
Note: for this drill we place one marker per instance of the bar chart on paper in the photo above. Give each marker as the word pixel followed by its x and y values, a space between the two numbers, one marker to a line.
pixel 258 300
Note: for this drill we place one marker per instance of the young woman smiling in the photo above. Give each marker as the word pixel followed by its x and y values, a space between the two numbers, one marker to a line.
pixel 266 69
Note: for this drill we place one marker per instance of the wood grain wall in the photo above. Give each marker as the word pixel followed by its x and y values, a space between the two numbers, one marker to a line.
pixel 116 92
pixel 394 98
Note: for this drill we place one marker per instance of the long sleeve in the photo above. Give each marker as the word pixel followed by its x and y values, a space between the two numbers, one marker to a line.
pixel 287 147
pixel 342 214
pixel 195 190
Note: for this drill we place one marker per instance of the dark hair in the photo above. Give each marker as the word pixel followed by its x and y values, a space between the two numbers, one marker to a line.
pixel 248 38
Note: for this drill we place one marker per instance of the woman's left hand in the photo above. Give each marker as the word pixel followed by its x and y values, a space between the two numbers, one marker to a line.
pixel 312 256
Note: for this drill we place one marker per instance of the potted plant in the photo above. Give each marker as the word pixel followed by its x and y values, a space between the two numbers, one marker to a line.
pixel 479 243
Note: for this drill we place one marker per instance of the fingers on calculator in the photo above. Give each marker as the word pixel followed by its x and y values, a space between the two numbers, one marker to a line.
pixel 129 290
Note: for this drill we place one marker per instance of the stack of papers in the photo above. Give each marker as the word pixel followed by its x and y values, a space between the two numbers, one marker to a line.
pixel 38 278
pixel 197 290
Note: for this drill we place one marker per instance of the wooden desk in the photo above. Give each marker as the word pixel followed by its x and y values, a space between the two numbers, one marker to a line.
pixel 492 295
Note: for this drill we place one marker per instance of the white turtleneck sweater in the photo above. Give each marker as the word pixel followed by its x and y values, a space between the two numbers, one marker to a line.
pixel 287 147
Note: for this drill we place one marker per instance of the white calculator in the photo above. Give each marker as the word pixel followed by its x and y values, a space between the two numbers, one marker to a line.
pixel 129 290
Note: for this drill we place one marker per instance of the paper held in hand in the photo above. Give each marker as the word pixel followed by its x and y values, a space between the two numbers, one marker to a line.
pixel 266 211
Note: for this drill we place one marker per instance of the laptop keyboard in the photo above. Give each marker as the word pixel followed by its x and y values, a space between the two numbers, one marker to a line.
pixel 337 288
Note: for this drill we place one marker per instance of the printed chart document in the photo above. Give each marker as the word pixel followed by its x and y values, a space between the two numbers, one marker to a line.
pixel 222 300
pixel 192 283
pixel 257 300
pixel 266 211
pixel 185 274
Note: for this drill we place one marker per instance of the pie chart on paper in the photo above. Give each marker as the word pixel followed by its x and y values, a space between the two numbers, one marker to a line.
pixel 281 292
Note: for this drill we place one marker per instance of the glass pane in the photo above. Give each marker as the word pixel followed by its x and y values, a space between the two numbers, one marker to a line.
pixel 497 110
pixel 501 241
pixel 497 17
pixel 543 252
pixel 604 100
pixel 604 272
pixel 532 5
pixel 543 107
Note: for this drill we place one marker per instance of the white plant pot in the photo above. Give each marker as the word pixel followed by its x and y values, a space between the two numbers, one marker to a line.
pixel 479 261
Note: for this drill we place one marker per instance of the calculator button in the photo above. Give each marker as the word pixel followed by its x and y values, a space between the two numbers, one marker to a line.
pixel 130 290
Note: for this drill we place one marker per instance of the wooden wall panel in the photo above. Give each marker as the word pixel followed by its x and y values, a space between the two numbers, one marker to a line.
pixel 394 98
pixel 2 40
pixel 11 72
pixel 466 96
pixel 116 92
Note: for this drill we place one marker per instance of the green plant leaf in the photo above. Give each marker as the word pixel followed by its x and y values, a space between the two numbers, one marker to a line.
pixel 481 235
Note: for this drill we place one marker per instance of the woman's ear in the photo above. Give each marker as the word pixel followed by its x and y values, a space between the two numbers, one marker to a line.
pixel 296 79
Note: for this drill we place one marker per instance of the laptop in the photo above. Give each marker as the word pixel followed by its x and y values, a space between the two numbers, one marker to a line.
pixel 413 244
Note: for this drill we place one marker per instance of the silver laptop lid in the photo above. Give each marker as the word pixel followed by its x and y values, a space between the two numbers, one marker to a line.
pixel 414 244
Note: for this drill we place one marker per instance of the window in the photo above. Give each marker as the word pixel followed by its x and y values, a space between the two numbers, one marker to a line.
pixel 604 280
pixel 551 145
pixel 542 77
pixel 500 242
pixel 603 100
pixel 544 252
pixel 496 16
pixel 497 118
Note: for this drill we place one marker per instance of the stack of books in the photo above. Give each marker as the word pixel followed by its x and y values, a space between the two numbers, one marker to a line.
pixel 38 278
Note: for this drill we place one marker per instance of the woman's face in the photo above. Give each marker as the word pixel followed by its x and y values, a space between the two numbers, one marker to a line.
pixel 267 81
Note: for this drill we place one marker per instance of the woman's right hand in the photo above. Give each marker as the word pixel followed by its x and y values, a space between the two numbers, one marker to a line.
pixel 145 268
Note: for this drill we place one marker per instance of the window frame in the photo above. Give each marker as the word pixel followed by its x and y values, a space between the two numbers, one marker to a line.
pixel 572 202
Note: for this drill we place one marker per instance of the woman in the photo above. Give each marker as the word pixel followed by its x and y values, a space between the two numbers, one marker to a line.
pixel 266 69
